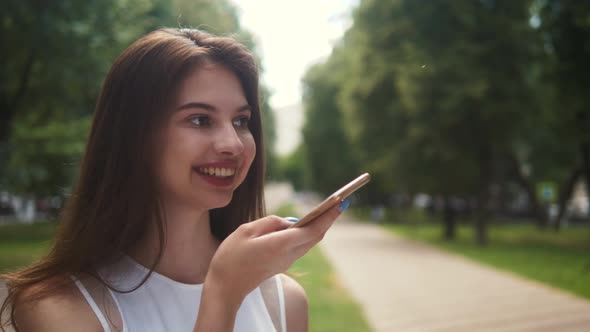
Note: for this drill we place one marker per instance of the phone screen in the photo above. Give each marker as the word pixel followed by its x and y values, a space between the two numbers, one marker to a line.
pixel 334 199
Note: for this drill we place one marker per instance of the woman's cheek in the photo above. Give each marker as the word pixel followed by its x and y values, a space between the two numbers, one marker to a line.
pixel 248 154
pixel 250 148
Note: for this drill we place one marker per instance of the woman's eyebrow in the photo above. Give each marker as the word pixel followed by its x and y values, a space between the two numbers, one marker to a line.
pixel 209 107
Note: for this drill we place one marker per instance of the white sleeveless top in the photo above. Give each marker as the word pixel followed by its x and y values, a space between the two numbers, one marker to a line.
pixel 162 304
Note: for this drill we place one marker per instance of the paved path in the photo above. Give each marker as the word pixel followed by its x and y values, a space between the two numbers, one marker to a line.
pixel 407 286
pixel 2 296
pixel 2 291
pixel 277 194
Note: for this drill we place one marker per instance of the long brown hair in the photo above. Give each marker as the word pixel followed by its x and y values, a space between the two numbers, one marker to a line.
pixel 115 197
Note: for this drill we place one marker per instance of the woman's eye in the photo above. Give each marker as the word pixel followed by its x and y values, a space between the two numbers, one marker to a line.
pixel 241 122
pixel 200 120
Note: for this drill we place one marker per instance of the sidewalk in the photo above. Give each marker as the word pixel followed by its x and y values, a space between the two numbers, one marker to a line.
pixel 407 286
pixel 2 296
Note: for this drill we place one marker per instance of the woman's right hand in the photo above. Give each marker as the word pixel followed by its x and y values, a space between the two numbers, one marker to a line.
pixel 254 252
pixel 262 248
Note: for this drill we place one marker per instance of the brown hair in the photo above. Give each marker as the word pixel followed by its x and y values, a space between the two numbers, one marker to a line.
pixel 116 192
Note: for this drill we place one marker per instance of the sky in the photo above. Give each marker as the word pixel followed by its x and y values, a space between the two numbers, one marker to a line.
pixel 292 35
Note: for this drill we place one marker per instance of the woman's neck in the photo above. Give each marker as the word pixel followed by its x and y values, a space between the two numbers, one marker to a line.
pixel 189 247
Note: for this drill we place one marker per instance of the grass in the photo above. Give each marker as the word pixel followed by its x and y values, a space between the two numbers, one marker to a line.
pixel 558 259
pixel 331 308
pixel 21 244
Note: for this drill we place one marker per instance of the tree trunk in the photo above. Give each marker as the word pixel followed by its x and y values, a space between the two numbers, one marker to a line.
pixel 10 103
pixel 448 219
pixel 483 197
pixel 585 149
pixel 481 220
pixel 565 194
pixel 539 213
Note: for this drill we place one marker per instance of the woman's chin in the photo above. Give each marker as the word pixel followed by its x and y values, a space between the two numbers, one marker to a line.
pixel 219 203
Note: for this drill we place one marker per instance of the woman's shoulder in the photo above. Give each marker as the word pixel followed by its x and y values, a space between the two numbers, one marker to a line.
pixel 296 306
pixel 293 290
pixel 45 307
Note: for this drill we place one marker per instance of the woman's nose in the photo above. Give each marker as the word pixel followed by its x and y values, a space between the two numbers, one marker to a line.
pixel 228 141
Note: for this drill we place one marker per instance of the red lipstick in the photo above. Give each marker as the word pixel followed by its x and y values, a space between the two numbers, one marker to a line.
pixel 224 164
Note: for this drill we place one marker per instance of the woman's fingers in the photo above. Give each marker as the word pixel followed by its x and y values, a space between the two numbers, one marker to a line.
pixel 264 226
pixel 264 247
pixel 309 234
pixel 324 221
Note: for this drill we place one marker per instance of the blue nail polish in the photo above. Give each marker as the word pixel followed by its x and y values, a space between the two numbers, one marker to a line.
pixel 292 219
pixel 345 203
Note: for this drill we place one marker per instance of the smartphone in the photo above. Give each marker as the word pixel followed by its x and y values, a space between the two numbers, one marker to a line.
pixel 333 199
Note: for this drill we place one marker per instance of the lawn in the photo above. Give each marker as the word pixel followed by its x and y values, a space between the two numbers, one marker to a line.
pixel 331 308
pixel 559 259
pixel 22 244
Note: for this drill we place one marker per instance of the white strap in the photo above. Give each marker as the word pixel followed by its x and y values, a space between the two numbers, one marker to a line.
pixel 282 309
pixel 119 310
pixel 92 303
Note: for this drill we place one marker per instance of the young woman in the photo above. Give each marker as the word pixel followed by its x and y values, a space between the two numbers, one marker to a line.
pixel 158 232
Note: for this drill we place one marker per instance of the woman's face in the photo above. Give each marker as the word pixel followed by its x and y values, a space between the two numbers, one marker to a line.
pixel 206 145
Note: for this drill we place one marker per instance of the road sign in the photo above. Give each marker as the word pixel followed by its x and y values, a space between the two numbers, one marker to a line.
pixel 547 191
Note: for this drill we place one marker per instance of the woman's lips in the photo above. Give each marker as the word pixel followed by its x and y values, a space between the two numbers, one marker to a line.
pixel 217 181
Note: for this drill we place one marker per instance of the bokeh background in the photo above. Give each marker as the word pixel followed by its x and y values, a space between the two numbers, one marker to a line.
pixel 472 116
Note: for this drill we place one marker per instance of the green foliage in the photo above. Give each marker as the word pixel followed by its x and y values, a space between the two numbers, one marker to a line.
pixel 285 210
pixel 438 86
pixel 55 55
pixel 565 75
pixel 566 26
pixel 45 157
pixel 20 245
pixel 270 135
pixel 469 99
pixel 293 168
pixel 330 306
pixel 217 17
pixel 327 149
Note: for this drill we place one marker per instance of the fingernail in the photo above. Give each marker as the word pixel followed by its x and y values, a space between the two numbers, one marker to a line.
pixel 292 219
pixel 345 203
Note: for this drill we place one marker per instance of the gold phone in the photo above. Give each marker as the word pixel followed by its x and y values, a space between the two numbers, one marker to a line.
pixel 333 199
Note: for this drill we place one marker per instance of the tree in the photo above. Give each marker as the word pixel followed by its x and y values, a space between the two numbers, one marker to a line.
pixel 47 156
pixel 404 107
pixel 293 168
pixel 326 148
pixel 481 52
pixel 55 55
pixel 565 26
pixel 432 94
